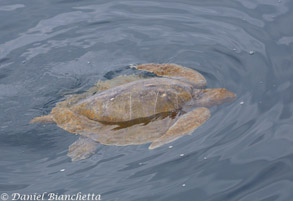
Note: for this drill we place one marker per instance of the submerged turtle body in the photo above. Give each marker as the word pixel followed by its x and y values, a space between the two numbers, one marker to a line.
pixel 131 110
pixel 139 99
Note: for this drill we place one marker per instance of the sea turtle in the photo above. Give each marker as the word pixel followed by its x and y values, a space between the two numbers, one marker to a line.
pixel 132 110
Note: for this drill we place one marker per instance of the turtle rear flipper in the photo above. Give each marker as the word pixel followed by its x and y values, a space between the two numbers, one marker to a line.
pixel 43 119
pixel 82 148
pixel 174 70
pixel 184 125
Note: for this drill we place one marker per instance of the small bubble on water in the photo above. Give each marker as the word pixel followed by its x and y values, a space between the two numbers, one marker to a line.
pixel 205 158
pixel 183 185
pixel 140 163
pixel 234 49
pixel 241 103
pixel 170 147
pixel 181 155
pixel 88 62
pixel 62 170
pixel 251 52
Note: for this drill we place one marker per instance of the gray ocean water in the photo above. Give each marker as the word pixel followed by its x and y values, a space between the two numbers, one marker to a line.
pixel 244 152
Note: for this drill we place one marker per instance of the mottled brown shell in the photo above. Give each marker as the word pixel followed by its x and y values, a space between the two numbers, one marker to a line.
pixel 139 99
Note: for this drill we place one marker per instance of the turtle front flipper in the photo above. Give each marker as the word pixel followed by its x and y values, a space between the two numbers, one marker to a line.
pixel 82 148
pixel 184 125
pixel 174 70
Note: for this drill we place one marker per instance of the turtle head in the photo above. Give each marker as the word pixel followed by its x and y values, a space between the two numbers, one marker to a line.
pixel 211 97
